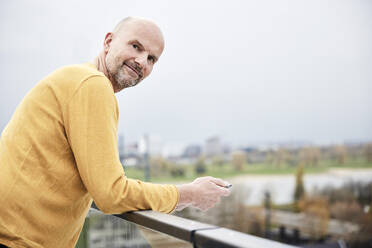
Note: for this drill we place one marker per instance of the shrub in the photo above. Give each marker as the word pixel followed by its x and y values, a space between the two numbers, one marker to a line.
pixel 200 167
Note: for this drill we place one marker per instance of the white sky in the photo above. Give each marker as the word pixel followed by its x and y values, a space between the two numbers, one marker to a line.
pixel 249 71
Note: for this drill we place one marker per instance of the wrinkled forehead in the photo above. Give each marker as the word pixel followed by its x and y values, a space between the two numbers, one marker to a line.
pixel 145 32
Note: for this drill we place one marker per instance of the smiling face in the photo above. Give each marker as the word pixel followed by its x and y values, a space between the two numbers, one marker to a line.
pixel 131 52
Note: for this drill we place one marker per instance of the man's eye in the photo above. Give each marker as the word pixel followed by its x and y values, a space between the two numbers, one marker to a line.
pixel 135 46
pixel 150 58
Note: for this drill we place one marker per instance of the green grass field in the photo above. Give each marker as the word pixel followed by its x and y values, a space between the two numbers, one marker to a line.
pixel 228 171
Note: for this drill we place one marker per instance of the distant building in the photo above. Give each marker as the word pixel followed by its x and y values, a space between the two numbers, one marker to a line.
pixel 150 144
pixel 173 150
pixel 226 149
pixel 192 151
pixel 131 156
pixel 131 149
pixel 213 147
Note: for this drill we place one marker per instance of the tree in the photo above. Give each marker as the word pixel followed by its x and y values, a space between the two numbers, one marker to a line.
pixel 200 167
pixel 238 160
pixel 218 160
pixel 310 156
pixel 316 214
pixel 159 166
pixel 281 155
pixel 340 154
pixel 300 189
pixel 346 211
pixel 177 171
pixel 368 152
pixel 269 157
pixel 370 205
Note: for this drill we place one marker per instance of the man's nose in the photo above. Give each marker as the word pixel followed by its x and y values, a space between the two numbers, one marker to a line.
pixel 141 60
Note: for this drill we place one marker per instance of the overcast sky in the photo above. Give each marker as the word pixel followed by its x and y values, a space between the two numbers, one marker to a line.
pixel 249 71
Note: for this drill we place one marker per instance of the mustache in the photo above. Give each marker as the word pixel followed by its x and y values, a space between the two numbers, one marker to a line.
pixel 137 68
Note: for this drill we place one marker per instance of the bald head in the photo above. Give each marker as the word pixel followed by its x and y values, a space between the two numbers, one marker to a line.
pixel 123 22
pixel 131 51
pixel 138 22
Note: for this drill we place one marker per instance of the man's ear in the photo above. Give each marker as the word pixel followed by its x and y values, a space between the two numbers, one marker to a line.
pixel 107 42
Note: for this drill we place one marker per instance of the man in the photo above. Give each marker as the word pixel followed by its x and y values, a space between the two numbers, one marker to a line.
pixel 59 150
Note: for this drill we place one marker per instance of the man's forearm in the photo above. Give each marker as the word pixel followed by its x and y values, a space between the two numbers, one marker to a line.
pixel 185 196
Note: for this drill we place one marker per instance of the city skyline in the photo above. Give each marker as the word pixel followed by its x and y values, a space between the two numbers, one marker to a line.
pixel 217 145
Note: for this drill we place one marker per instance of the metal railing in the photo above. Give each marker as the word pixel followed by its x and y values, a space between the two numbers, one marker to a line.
pixel 197 233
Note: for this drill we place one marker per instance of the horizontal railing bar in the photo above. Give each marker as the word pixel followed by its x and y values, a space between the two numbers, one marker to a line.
pixel 227 238
pixel 165 223
pixel 200 234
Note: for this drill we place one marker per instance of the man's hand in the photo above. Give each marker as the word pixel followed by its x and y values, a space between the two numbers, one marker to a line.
pixel 202 193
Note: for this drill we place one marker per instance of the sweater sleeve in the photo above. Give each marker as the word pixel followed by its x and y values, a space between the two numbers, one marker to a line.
pixel 91 118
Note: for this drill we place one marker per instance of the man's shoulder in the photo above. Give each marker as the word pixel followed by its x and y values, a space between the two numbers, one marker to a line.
pixel 67 80
pixel 75 75
pixel 79 70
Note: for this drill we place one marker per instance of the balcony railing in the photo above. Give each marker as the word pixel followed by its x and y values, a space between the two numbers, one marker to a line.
pixel 197 233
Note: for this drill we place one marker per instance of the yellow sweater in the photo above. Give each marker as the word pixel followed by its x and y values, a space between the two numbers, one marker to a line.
pixel 58 152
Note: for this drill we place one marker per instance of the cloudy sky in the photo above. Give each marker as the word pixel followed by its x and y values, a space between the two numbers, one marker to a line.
pixel 249 71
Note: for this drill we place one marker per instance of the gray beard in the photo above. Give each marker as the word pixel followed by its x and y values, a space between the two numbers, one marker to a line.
pixel 119 77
